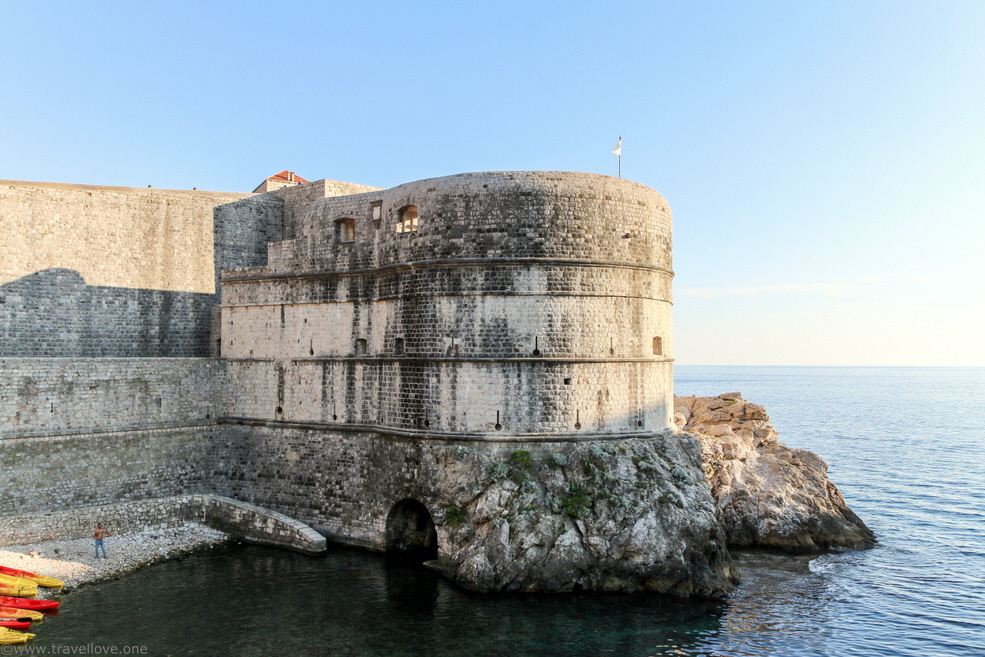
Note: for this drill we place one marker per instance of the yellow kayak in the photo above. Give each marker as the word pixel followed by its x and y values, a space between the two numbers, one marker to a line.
pixel 14 612
pixel 13 636
pixel 17 586
pixel 40 580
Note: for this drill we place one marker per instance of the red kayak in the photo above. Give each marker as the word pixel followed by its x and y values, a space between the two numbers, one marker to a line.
pixel 25 603
pixel 40 580
pixel 14 624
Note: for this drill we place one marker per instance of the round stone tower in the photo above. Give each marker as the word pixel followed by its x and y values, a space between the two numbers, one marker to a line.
pixel 489 306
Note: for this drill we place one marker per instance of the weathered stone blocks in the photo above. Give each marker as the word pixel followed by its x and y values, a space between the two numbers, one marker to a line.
pixel 535 304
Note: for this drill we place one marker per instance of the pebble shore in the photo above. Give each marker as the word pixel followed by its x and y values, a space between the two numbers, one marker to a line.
pixel 75 563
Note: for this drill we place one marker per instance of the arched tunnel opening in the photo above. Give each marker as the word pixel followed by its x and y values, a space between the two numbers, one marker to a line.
pixel 410 533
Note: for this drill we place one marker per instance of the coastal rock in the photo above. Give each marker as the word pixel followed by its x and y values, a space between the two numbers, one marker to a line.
pixel 766 494
pixel 628 515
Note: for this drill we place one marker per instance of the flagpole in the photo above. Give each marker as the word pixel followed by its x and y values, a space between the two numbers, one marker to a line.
pixel 617 151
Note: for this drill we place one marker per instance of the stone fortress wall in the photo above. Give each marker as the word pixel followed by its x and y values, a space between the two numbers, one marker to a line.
pixel 107 297
pixel 100 289
pixel 91 431
pixel 525 307
pixel 93 271
pixel 113 236
pixel 524 304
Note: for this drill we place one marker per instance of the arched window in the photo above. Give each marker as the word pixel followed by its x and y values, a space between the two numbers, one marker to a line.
pixel 408 219
pixel 345 230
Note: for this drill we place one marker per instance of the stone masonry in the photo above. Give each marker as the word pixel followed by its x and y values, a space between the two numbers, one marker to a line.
pixel 357 327
pixel 107 298
pixel 236 518
pixel 500 309
pixel 81 432
pixel 106 271
pixel 522 304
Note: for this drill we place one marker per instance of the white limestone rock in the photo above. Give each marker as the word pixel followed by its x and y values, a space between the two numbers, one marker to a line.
pixel 766 494
pixel 628 515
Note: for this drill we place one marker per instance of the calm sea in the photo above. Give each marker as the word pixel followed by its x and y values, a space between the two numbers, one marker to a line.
pixel 904 445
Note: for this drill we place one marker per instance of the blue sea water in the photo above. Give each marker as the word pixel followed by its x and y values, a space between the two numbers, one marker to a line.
pixel 904 445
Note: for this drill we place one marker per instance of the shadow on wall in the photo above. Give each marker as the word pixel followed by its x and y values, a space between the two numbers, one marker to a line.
pixel 53 313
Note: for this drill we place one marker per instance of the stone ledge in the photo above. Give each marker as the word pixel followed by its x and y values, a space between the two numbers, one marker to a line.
pixel 447 436
pixel 252 274
pixel 59 434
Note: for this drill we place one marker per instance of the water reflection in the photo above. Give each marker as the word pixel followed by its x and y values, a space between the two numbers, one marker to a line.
pixel 256 601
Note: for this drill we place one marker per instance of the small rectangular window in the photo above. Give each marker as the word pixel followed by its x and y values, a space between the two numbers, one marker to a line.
pixel 408 219
pixel 345 230
pixel 658 346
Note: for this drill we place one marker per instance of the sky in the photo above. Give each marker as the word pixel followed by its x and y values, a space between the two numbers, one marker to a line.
pixel 824 161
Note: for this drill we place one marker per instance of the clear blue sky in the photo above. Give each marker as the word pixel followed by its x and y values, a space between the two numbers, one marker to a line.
pixel 825 161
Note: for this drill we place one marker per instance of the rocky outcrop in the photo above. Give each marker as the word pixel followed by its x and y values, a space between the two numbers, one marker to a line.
pixel 766 494
pixel 642 514
pixel 628 515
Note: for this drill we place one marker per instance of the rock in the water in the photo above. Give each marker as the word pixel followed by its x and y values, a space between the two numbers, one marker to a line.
pixel 625 515
pixel 766 493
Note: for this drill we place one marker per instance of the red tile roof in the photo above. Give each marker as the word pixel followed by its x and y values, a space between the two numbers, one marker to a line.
pixel 281 179
pixel 287 176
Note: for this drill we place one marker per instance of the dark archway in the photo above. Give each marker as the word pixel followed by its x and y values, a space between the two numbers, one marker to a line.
pixel 410 531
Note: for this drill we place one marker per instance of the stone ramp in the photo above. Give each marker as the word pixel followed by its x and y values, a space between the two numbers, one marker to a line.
pixel 255 524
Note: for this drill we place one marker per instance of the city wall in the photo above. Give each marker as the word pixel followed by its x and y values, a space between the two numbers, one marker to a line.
pixel 106 271
pixel 523 307
pixel 155 239
pixel 236 518
pixel 81 432
pixel 515 310
pixel 55 313
pixel 345 484
pixel 108 301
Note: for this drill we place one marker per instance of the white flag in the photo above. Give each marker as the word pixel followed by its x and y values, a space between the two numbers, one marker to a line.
pixel 618 149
